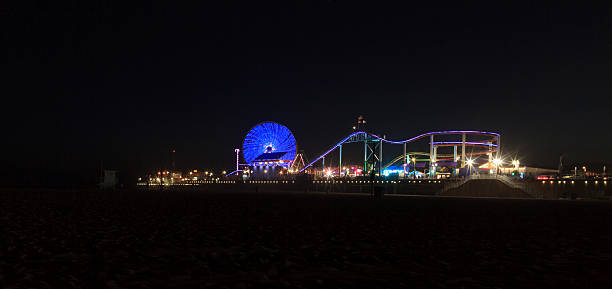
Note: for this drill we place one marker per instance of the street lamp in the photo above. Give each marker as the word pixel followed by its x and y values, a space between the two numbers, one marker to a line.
pixel 470 163
pixel 497 162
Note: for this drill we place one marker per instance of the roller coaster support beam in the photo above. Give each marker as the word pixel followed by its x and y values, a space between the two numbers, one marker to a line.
pixel 323 165
pixel 365 155
pixel 340 162
pixel 498 147
pixel 435 155
pixel 463 150
pixel 432 157
pixel 380 159
pixel 490 156
pixel 405 156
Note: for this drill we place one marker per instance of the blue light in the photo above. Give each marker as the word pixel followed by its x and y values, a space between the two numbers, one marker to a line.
pixel 268 138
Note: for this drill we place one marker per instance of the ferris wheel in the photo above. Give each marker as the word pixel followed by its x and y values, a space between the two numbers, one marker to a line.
pixel 269 143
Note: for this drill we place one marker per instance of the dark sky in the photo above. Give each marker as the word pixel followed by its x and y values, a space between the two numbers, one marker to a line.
pixel 125 82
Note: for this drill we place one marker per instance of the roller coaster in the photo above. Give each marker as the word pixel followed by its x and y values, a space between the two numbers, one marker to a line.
pixel 373 149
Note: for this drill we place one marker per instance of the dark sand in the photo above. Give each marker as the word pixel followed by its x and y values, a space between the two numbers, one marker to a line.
pixel 136 239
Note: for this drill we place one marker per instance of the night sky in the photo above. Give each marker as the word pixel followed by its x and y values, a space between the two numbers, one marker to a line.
pixel 126 82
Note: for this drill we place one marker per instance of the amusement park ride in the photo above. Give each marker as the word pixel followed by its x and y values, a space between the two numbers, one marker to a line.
pixel 272 147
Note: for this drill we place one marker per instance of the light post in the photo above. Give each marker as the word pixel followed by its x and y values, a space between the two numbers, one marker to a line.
pixel 497 163
pixel 575 172
pixel 470 163
pixel 237 151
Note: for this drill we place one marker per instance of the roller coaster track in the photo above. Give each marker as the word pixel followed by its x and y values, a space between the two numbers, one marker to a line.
pixel 439 157
pixel 346 139
pixel 400 157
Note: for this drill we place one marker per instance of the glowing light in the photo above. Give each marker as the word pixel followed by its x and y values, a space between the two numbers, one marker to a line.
pixel 470 162
pixel 268 138
pixel 397 142
pixel 467 143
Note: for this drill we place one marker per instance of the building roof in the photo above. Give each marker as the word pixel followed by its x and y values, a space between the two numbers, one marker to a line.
pixel 275 156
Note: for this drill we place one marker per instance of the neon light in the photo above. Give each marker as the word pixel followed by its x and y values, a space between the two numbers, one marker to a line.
pixel 398 142
pixel 467 143
pixel 236 171
pixel 268 137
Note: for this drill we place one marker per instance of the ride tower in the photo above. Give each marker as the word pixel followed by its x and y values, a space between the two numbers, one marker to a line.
pixel 372 148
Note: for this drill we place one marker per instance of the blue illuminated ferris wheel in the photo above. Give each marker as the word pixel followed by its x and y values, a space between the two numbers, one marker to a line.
pixel 269 144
